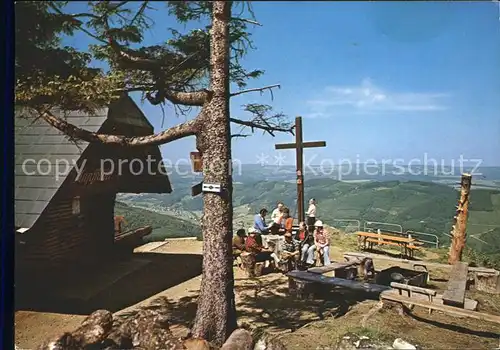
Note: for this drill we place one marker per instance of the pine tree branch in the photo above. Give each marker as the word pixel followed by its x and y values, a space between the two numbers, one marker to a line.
pixel 269 87
pixel 189 128
pixel 245 20
pixel 128 60
pixel 266 126
pixel 195 98
pixel 239 135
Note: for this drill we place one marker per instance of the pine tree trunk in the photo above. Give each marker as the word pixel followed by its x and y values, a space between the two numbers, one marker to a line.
pixel 458 232
pixel 216 314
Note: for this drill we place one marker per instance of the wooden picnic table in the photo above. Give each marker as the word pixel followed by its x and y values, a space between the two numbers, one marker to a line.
pixel 407 244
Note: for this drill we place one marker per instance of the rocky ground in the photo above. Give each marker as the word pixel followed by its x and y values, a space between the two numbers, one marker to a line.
pixel 338 322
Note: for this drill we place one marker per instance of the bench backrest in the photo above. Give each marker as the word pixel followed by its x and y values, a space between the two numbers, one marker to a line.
pixel 413 288
pixel 457 284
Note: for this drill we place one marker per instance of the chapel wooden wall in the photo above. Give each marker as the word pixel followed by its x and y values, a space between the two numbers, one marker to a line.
pixel 61 239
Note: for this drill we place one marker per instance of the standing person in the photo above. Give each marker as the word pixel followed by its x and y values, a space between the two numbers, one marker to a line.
pixel 322 241
pixel 311 215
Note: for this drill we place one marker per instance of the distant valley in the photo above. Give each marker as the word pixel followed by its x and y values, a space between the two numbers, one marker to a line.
pixel 418 203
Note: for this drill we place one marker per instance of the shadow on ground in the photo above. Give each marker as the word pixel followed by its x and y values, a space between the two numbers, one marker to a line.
pixel 264 303
pixel 268 303
pixel 462 329
pixel 112 286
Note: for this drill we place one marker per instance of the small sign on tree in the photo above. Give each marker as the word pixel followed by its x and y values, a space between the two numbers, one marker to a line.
pixel 197 162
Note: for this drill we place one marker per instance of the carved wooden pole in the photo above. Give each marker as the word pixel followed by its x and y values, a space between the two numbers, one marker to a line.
pixel 458 232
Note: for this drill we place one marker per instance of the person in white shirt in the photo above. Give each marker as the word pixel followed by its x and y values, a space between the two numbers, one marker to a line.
pixel 311 215
pixel 277 213
pixel 276 217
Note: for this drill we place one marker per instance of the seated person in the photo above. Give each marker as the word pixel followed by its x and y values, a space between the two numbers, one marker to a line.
pixel 322 241
pixel 260 253
pixel 239 242
pixel 290 251
pixel 287 222
pixel 302 232
pixel 277 212
pixel 307 250
pixel 260 225
pixel 368 268
pixel 274 228
pixel 277 216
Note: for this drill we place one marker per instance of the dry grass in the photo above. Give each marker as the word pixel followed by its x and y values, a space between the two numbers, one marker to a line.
pixel 264 303
pixel 437 331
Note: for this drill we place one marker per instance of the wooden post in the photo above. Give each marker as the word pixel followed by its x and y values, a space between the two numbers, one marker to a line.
pixel 299 160
pixel 299 146
pixel 458 232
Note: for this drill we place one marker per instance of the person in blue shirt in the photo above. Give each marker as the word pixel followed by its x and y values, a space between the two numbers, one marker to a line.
pixel 260 222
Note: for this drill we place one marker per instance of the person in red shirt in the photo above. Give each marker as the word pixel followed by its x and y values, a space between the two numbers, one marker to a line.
pixel 322 241
pixel 302 231
pixel 261 254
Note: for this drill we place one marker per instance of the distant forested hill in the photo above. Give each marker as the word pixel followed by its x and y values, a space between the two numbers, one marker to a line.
pixel 416 205
pixel 164 226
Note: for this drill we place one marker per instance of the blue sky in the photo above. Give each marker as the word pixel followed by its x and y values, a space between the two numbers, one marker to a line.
pixel 374 80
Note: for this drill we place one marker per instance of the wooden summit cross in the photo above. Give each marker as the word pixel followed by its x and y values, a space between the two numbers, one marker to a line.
pixel 299 146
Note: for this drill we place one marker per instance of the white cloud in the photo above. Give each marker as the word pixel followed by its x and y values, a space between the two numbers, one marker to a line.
pixel 369 98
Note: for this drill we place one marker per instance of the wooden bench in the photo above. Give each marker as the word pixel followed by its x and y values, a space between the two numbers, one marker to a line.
pixel 391 296
pixel 358 255
pixel 407 244
pixel 429 292
pixel 406 249
pixel 457 285
pixel 374 240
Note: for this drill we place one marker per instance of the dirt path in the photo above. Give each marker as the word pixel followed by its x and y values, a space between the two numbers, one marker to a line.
pixel 263 302
pixel 32 328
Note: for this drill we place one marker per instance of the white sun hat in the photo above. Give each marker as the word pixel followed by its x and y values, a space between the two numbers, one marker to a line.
pixel 318 223
pixel 252 230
